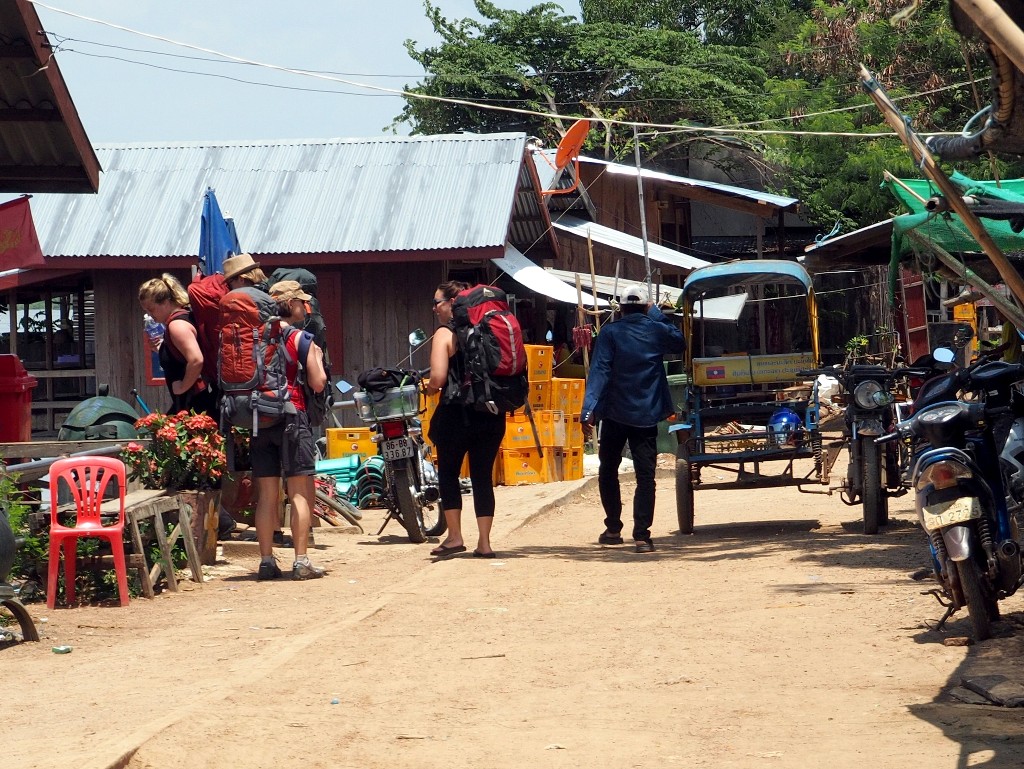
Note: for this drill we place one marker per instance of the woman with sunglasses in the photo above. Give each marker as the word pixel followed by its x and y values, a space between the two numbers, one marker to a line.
pixel 457 430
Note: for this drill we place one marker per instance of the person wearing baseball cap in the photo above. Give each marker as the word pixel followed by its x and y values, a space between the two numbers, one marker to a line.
pixel 627 391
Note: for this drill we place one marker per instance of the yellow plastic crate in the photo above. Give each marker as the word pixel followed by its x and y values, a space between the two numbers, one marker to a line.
pixel 539 359
pixel 572 464
pixel 550 427
pixel 573 432
pixel 539 395
pixel 527 466
pixel 518 433
pixel 567 395
pixel 345 441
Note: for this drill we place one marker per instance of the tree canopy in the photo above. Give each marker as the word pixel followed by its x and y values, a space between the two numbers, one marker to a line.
pixel 742 66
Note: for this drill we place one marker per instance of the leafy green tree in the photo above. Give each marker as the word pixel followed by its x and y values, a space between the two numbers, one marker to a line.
pixel 541 60
pixel 752 65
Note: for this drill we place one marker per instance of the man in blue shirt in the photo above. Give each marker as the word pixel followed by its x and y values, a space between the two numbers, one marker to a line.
pixel 627 391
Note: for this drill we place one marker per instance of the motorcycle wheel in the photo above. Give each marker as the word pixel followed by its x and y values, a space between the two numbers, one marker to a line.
pixel 974 597
pixel 409 506
pixel 873 496
pixel 440 525
pixel 684 496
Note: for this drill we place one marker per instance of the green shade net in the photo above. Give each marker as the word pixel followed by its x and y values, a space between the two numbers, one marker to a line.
pixel 947 230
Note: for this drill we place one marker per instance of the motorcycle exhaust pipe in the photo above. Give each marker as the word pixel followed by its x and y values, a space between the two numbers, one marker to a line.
pixel 1009 550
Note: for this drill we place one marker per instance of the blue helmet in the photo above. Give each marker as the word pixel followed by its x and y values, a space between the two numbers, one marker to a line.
pixel 784 427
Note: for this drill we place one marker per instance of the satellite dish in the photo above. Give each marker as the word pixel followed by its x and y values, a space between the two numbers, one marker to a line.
pixel 571 144
pixel 569 152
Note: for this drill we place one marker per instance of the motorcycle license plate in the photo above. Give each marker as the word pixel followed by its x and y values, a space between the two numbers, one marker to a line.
pixel 397 448
pixel 948 513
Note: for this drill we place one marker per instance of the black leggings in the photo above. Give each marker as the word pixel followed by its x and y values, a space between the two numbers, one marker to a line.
pixel 455 432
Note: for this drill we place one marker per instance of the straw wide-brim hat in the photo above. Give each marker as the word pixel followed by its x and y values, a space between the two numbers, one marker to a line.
pixel 237 265
pixel 287 290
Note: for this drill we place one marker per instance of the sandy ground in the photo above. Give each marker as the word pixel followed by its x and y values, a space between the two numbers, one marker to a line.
pixel 776 635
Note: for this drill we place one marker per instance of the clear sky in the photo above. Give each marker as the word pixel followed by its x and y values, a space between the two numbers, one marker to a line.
pixel 127 89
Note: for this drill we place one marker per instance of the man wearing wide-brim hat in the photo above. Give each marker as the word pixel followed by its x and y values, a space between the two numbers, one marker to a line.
pixel 238 266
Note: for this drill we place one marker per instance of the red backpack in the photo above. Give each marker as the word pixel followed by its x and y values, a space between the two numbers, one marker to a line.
pixel 253 362
pixel 204 295
pixel 490 342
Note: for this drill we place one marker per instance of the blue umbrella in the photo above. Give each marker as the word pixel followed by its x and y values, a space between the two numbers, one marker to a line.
pixel 217 237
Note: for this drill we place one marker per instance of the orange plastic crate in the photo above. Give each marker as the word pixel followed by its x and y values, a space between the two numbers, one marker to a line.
pixel 527 466
pixel 567 395
pixel 572 464
pixel 345 441
pixel 518 433
pixel 539 395
pixel 539 359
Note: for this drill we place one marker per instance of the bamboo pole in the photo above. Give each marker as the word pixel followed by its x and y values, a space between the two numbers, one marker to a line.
pixel 890 178
pixel 996 24
pixel 581 318
pixel 923 157
pixel 1006 308
pixel 593 281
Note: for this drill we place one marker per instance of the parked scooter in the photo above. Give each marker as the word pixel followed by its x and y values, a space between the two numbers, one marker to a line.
pixel 960 500
pixel 390 404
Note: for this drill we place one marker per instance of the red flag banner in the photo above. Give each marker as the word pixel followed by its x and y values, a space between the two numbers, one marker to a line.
pixel 19 244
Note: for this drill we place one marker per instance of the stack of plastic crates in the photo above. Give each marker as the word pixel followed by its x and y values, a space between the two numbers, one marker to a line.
pixel 370 484
pixel 344 471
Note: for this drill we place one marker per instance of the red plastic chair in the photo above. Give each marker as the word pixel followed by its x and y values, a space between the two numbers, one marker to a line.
pixel 88 479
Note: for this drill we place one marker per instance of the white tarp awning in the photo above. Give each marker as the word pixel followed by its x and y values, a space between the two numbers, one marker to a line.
pixel 613 238
pixel 536 278
pixel 724 308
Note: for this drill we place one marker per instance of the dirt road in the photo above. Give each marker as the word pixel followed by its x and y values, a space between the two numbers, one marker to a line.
pixel 777 635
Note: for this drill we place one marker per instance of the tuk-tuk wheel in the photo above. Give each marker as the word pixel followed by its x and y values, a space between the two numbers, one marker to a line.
pixel 684 496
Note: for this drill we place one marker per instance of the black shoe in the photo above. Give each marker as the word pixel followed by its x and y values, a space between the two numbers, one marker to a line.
pixel 644 546
pixel 268 571
pixel 610 538
pixel 281 540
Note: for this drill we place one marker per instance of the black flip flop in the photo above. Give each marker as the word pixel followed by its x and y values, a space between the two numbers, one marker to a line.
pixel 478 554
pixel 443 552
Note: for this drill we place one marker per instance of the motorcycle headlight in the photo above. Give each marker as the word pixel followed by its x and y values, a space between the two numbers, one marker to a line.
pixel 941 475
pixel 871 395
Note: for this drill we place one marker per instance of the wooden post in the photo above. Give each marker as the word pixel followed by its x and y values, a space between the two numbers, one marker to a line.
pixel 593 281
pixel 923 157
pixel 581 319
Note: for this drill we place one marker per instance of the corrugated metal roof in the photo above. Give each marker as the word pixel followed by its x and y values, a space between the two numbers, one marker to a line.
pixel 293 196
pixel 43 146
pixel 724 190
pixel 628 243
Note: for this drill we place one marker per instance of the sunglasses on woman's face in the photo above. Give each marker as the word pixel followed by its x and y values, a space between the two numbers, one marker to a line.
pixel 438 301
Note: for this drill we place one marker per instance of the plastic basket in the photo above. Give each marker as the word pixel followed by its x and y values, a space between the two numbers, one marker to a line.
pixel 393 402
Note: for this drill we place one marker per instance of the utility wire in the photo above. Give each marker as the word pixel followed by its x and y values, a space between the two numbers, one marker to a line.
pixel 675 128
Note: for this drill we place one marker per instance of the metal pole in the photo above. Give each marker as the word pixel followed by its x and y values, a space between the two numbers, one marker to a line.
pixel 643 210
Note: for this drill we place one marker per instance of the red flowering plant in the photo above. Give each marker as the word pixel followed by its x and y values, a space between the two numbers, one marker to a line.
pixel 185 452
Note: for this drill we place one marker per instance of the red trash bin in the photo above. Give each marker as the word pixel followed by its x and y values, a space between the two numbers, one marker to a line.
pixel 15 400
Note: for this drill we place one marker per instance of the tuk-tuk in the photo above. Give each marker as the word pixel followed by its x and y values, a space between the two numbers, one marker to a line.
pixel 746 405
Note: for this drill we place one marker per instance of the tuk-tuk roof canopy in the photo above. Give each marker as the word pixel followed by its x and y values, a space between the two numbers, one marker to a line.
pixel 747 272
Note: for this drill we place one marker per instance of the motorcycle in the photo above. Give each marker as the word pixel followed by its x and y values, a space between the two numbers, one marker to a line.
pixel 391 406
pixel 959 493
pixel 874 472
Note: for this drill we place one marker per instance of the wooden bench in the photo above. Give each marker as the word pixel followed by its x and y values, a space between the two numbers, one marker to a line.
pixel 152 505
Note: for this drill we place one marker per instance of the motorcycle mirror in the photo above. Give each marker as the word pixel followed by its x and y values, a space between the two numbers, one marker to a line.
pixel 943 355
pixel 417 337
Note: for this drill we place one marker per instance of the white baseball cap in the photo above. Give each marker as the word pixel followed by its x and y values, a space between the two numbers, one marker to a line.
pixel 634 294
